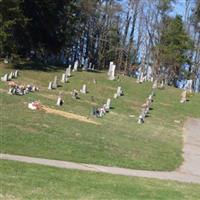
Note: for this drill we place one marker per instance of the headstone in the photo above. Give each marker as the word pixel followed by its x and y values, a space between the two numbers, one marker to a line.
pixel 141 77
pixel 59 101
pixel 141 118
pixel 162 86
pixel 138 79
pixel 84 89
pixel 63 79
pixel 90 66
pixel 5 61
pixel 10 76
pixel 112 72
pixel 4 78
pixel 85 67
pixel 68 71
pixel 183 96
pixel 189 85
pixel 94 81
pixel 115 96
pixel 74 94
pixel 107 105
pixel 16 73
pixel 155 84
pixel 55 83
pixel 150 98
pixel 75 66
pixel 110 68
pixel 119 91
pixel 10 91
pixel 50 86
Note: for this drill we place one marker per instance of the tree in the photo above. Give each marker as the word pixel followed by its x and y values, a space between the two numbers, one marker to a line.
pixel 173 47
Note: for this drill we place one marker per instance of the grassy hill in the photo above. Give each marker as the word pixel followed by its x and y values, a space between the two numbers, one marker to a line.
pixel 26 181
pixel 118 141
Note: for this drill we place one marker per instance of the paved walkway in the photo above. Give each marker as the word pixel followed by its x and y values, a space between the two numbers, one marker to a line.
pixel 188 172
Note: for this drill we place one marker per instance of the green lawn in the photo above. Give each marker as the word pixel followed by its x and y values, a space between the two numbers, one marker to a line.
pixel 26 181
pixel 118 141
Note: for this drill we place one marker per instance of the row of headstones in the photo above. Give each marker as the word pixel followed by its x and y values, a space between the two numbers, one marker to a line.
pixel 145 108
pixel 15 89
pixel 85 66
pixel 64 79
pixel 100 112
pixel 10 76
pixel 141 78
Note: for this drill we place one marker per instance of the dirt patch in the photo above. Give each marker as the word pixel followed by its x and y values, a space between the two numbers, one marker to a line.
pixel 69 115
pixel 8 197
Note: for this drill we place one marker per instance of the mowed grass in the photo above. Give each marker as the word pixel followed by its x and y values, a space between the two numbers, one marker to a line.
pixel 118 141
pixel 27 181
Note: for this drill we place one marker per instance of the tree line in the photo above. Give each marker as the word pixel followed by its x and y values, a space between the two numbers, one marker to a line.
pixel 128 32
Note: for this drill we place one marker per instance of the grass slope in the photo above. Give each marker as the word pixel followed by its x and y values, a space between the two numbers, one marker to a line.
pixel 26 181
pixel 119 141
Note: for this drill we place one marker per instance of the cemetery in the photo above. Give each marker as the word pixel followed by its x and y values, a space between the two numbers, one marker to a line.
pixel 72 119
pixel 100 100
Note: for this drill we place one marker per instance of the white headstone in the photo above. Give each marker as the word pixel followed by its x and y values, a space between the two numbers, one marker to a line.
pixel 16 73
pixel 5 61
pixel 119 91
pixel 189 85
pixel 112 72
pixel 155 84
pixel 55 83
pixel 59 101
pixel 4 78
pixel 50 86
pixel 110 68
pixel 68 71
pixel 90 66
pixel 84 89
pixel 115 96
pixel 108 103
pixel 63 79
pixel 75 66
pixel 141 77
pixel 10 76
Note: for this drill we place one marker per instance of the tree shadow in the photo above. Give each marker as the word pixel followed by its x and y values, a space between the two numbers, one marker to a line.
pixel 92 71
pixel 37 66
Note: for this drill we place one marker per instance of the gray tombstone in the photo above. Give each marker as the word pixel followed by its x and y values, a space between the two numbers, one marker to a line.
pixel 75 66
pixel 55 83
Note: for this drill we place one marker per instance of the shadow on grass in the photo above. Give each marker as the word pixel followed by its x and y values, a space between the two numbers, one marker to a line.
pixel 90 71
pixel 38 66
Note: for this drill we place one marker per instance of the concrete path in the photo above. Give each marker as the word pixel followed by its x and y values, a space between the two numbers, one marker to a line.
pixel 188 172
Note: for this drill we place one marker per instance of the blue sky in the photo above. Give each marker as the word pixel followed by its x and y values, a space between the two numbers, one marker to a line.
pixel 179 7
